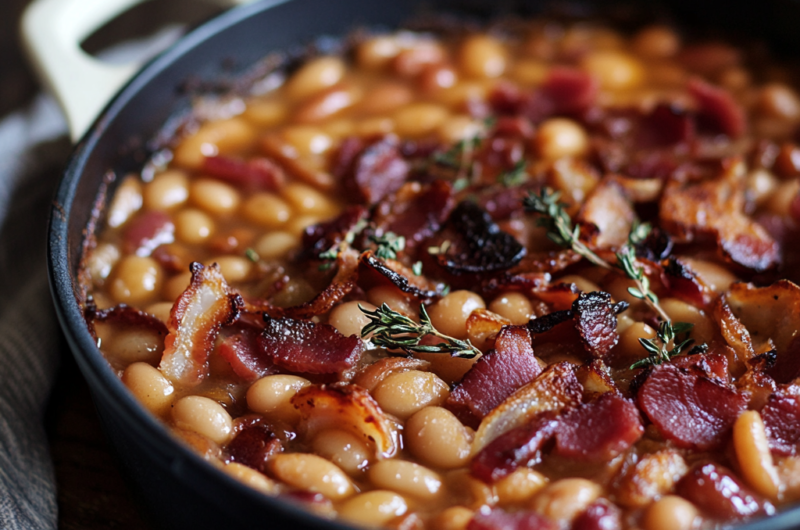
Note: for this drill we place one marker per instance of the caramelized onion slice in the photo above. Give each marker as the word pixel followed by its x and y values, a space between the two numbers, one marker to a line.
pixel 348 407
pixel 194 324
pixel 556 388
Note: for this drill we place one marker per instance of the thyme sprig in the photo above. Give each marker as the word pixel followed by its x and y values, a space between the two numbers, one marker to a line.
pixel 657 347
pixel 393 330
pixel 388 245
pixel 330 255
pixel 515 176
pixel 461 156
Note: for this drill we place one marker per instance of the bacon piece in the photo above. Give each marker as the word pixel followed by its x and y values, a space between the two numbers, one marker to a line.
pixel 495 376
pixel 514 448
pixel 691 410
pixel 717 491
pixel 375 172
pixel 374 270
pixel 239 346
pixel 126 315
pixel 718 111
pixel 715 208
pixel 520 520
pixel 483 326
pixel 600 430
pixel 321 237
pixel 595 378
pixel 683 283
pixel 147 231
pixel 609 210
pixel 565 91
pixel 477 244
pixel 713 364
pixel 348 407
pixel 596 321
pixel 253 446
pixel 372 375
pixel 194 323
pixel 665 126
pixel 416 211
pixel 253 173
pixel 781 417
pixel 600 515
pixel 502 203
pixel 554 389
pixel 305 347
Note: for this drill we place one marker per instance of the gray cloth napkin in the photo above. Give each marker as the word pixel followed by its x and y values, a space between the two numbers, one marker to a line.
pixel 34 149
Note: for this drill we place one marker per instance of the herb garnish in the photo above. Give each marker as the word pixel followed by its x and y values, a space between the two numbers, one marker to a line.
pixel 515 176
pixel 561 231
pixel 332 253
pixel 416 268
pixel 252 255
pixel 393 330
pixel 388 245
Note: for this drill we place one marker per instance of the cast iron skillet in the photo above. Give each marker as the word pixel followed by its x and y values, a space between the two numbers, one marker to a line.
pixel 180 489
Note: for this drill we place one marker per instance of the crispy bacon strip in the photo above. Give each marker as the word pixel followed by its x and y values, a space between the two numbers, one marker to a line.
pixel 415 211
pixel 495 376
pixel 194 323
pixel 372 375
pixel 715 208
pixel 374 270
pixel 781 417
pixel 348 407
pixel 596 321
pixel 239 346
pixel 691 410
pixel 718 111
pixel 373 171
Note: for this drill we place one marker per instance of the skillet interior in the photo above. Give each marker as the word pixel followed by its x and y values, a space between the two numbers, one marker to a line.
pixel 181 490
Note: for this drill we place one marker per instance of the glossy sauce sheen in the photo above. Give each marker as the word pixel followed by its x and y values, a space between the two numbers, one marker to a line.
pixel 258 364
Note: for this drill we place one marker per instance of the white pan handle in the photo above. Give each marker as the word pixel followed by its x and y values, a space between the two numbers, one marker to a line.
pixel 52 31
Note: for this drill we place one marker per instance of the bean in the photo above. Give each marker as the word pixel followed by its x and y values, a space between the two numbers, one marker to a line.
pixel 564 499
pixel 306 200
pixel 298 224
pixel 654 475
pixel 127 201
pixel 193 227
pixel 529 72
pixel 216 198
pixel 328 103
pixel 735 78
pixel 160 310
pixel 129 345
pixel 461 95
pixel 583 284
pixel 437 77
pixel 203 416
pixel 394 298
pixel 233 268
pixel 752 453
pixel 377 52
pixel 453 518
pixel 136 280
pixel 789 472
pixel 419 119
pixel 315 76
pixel 167 190
pixel 780 101
pixel 616 70
pixel 308 140
pixel 560 137
pixel 519 486
pixel 221 137
pixel 435 436
pixel 716 277
pixel 385 97
pixel 406 478
pixel 405 393
pixel 266 113
pixel 311 473
pixel 272 395
pixel 656 42
pixel 267 210
pixel 458 128
pixel 251 477
pixel 680 311
pixel 150 387
pixel 413 60
pixel 175 286
pixel 275 244
pixel 483 56
pixel 101 262
pixel 450 369
pixel 374 508
pixel 670 513
pixel 374 127
pixel 468 491
pixel 629 340
pixel 760 185
pixel 343 448
pixel 348 319
pixel 449 315
pixel 514 306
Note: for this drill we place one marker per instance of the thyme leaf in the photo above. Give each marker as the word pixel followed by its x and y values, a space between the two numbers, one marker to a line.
pixel 657 347
pixel 515 176
pixel 388 245
pixel 393 330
